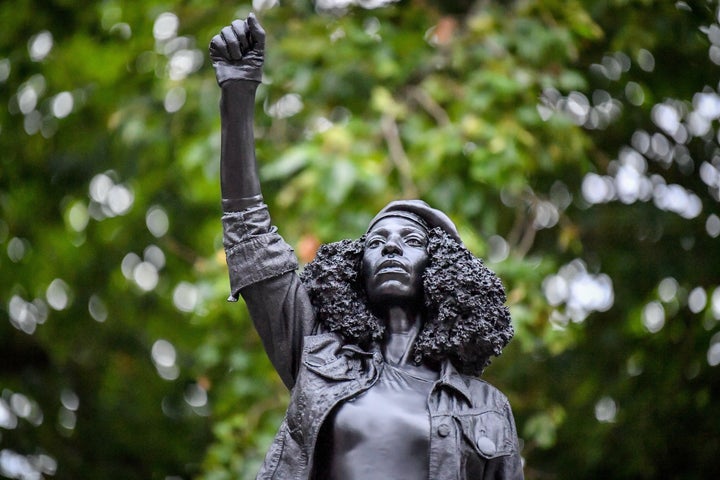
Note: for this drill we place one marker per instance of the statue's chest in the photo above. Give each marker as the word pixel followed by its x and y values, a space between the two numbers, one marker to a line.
pixel 330 373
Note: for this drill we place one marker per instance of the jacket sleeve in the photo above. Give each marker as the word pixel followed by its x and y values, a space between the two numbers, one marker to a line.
pixel 262 269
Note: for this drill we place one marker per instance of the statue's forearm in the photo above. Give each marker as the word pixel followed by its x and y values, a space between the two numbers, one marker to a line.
pixel 238 171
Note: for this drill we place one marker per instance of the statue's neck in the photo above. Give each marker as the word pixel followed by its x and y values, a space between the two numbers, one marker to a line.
pixel 403 326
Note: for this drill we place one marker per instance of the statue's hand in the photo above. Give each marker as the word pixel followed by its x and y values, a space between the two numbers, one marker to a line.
pixel 238 51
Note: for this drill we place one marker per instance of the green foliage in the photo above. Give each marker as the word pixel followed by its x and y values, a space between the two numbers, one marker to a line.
pixel 119 357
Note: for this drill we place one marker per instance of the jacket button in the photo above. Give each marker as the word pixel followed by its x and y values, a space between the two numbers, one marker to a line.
pixel 486 446
pixel 443 430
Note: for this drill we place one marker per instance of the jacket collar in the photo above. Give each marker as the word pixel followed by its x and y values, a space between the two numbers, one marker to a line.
pixel 450 377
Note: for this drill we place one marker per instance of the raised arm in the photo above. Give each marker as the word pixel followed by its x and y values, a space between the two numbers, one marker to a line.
pixel 261 265
pixel 237 54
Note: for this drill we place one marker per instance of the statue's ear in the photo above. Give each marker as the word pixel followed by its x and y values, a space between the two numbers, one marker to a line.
pixel 359 249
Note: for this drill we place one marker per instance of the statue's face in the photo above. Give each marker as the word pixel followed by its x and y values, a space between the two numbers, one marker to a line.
pixel 393 262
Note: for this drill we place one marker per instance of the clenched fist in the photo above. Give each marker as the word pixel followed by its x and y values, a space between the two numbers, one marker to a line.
pixel 238 51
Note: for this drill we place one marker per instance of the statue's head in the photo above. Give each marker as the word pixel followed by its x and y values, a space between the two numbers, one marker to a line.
pixel 395 252
pixel 412 254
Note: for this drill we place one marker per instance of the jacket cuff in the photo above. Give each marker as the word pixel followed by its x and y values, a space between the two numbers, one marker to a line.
pixel 239 227
pixel 253 249
pixel 260 258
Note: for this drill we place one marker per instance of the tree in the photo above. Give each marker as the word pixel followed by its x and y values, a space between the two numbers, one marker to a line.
pixel 574 143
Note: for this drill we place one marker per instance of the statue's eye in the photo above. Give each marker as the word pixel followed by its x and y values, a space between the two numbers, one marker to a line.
pixel 415 242
pixel 373 243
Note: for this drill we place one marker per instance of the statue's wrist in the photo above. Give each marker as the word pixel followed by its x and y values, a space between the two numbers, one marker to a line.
pixel 229 73
pixel 240 84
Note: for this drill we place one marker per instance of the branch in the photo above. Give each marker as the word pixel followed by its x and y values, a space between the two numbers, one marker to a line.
pixel 397 155
pixel 430 105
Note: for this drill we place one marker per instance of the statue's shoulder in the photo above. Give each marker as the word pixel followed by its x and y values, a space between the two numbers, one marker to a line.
pixel 485 394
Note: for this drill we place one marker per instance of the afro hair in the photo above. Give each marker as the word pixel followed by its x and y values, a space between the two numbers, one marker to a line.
pixel 466 320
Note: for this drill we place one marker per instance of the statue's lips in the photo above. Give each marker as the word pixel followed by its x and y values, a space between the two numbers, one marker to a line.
pixel 392 266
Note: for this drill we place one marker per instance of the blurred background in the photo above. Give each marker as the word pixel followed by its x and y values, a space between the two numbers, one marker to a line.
pixel 574 142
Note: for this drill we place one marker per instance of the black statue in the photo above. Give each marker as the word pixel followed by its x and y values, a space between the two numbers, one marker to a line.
pixel 380 339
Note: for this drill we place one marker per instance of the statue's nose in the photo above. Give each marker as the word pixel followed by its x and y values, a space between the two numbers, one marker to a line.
pixel 392 247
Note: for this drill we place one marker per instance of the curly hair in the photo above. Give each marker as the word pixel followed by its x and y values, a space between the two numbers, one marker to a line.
pixel 466 320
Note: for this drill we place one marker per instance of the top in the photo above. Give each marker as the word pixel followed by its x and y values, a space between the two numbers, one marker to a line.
pixel 388 421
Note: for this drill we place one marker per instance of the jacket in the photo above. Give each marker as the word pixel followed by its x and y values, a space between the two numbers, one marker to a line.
pixel 472 430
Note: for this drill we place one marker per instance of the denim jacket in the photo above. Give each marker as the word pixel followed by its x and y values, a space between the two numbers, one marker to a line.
pixel 472 430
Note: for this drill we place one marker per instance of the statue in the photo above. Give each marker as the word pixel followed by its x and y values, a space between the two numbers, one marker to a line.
pixel 380 340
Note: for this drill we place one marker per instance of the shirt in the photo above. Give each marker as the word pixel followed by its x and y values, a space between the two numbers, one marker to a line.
pixel 379 433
